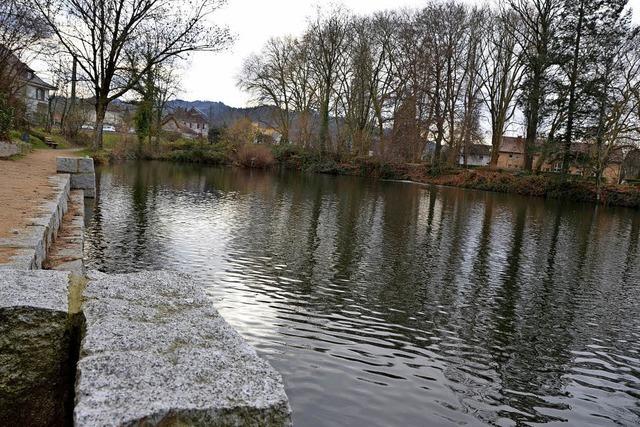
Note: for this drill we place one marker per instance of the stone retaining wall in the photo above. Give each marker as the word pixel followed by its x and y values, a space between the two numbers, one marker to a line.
pixel 67 252
pixel 82 171
pixel 154 351
pixel 29 247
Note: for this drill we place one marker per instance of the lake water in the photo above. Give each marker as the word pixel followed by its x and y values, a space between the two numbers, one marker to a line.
pixel 394 304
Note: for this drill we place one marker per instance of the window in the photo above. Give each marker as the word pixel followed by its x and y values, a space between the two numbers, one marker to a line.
pixel 40 94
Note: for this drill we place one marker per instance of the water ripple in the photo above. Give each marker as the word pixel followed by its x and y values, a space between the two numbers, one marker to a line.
pixel 391 304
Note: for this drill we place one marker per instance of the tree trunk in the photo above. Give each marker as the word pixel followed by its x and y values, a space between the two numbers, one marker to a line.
pixel 599 184
pixel 496 138
pixel 101 109
pixel 566 158
pixel 532 122
pixel 324 122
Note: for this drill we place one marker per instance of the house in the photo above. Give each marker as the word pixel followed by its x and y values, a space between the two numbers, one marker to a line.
pixel 582 154
pixel 477 155
pixel 511 156
pixel 189 123
pixel 33 91
pixel 36 93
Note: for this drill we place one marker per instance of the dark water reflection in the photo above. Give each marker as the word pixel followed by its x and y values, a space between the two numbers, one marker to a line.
pixel 396 304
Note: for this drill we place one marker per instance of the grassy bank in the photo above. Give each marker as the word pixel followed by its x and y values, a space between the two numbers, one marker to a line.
pixel 293 158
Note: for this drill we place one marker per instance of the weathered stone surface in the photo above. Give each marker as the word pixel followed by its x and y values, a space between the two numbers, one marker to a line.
pixel 20 259
pixel 82 172
pixel 75 266
pixel 8 149
pixel 83 181
pixel 39 289
pixel 85 165
pixel 156 352
pixel 35 346
pixel 32 238
pixel 67 164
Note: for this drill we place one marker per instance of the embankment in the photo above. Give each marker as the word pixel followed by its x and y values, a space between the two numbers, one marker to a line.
pixel 551 186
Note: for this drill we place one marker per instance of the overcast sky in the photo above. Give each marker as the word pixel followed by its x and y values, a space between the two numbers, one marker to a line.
pixel 211 76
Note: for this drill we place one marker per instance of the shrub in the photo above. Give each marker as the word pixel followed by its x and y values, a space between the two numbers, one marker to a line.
pixel 6 117
pixel 254 156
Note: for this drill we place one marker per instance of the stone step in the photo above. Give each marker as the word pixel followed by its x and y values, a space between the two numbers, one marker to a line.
pixel 156 352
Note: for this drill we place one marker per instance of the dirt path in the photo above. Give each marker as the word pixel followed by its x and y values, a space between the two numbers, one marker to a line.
pixel 23 186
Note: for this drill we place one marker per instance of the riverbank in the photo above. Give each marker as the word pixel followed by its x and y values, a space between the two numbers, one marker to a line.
pixel 548 185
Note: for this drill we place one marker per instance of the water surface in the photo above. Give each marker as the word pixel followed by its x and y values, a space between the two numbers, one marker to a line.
pixel 392 304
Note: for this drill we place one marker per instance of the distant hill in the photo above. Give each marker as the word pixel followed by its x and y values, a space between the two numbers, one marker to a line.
pixel 221 114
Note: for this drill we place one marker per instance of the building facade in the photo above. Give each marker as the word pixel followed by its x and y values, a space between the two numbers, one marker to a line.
pixel 511 157
pixel 189 123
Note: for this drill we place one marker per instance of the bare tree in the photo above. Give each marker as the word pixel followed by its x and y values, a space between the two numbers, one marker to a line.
pixel 328 36
pixel 470 121
pixel 303 89
pixel 269 77
pixel 383 73
pixel 501 73
pixel 615 89
pixel 535 29
pixel 108 36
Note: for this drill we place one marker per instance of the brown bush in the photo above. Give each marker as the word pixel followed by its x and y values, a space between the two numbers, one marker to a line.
pixel 254 156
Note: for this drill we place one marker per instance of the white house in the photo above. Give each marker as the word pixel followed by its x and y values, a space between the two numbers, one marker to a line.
pixel 477 155
pixel 34 91
pixel 37 94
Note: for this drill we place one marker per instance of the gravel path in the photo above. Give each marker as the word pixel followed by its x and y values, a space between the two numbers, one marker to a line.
pixel 23 185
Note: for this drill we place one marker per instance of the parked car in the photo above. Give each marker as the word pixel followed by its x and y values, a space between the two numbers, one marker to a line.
pixel 108 128
pixel 87 127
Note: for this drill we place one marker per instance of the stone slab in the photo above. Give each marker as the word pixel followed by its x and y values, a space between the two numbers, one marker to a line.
pixel 66 253
pixel 82 172
pixel 21 259
pixel 35 348
pixel 156 352
pixel 85 165
pixel 83 181
pixel 36 288
pixel 31 238
pixel 67 164
pixel 9 149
